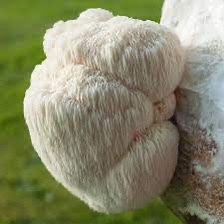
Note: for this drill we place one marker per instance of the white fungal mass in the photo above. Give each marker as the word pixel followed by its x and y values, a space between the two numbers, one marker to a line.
pixel 199 179
pixel 97 108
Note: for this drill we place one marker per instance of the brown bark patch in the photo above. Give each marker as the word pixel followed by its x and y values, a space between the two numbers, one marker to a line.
pixel 194 183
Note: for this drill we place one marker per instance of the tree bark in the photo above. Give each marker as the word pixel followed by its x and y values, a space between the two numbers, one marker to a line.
pixel 196 191
pixel 193 220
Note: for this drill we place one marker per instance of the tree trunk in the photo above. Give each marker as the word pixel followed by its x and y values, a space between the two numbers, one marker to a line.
pixel 188 192
pixel 193 220
pixel 196 191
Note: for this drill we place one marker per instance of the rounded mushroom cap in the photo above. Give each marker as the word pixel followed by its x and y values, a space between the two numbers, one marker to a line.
pixel 97 108
pixel 142 54
pixel 95 15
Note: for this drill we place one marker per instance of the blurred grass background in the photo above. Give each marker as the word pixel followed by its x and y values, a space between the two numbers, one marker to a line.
pixel 28 193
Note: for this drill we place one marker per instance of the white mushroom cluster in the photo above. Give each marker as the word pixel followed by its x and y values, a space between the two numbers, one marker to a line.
pixel 98 108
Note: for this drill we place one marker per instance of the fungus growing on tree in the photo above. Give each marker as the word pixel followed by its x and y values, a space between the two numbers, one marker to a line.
pixel 196 191
pixel 98 108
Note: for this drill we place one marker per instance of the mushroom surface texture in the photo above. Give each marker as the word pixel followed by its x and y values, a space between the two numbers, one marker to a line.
pixel 197 189
pixel 98 107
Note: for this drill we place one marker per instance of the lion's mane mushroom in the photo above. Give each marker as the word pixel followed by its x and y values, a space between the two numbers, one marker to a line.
pixel 97 108
pixel 197 190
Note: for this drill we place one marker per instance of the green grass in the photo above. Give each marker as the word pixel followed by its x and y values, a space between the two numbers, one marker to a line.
pixel 28 193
